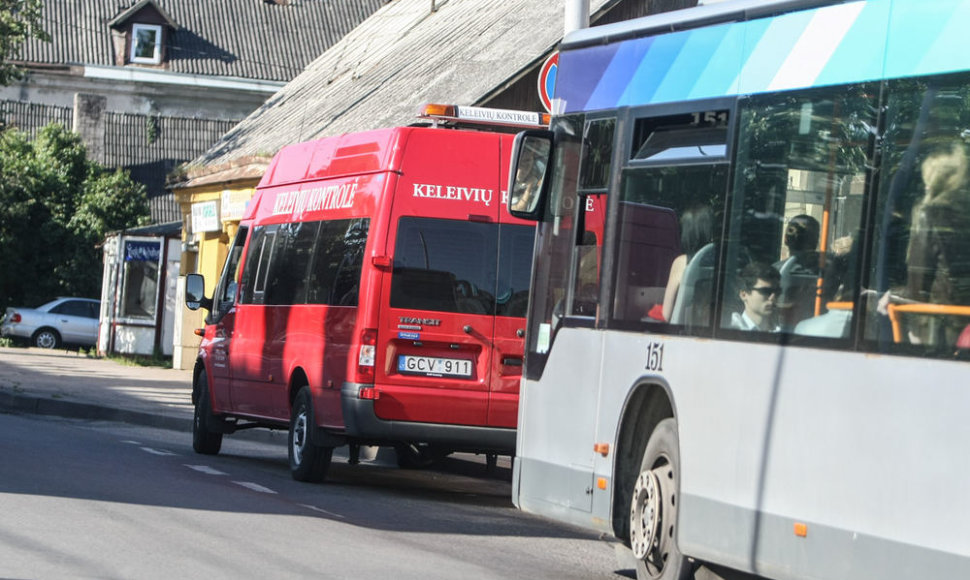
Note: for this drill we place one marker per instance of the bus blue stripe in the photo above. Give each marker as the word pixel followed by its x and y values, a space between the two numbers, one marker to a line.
pixel 747 57
pixel 723 66
pixel 860 56
pixel 616 78
pixel 659 60
pixel 680 81
pixel 938 28
pixel 765 56
pixel 577 89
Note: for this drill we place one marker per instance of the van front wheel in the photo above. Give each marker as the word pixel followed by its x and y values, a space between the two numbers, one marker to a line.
pixel 205 439
pixel 653 509
pixel 308 461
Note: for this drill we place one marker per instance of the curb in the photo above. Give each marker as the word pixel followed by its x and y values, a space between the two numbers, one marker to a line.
pixel 13 403
pixel 24 405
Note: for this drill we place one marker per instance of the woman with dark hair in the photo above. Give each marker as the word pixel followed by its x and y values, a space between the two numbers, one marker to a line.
pixel 696 231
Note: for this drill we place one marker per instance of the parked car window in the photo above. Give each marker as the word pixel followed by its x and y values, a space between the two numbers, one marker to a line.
pixel 73 308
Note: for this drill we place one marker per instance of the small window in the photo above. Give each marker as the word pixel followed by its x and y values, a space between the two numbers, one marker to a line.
pixel 699 136
pixel 146 43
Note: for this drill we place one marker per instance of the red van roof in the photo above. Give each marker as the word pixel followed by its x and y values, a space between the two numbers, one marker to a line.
pixel 347 154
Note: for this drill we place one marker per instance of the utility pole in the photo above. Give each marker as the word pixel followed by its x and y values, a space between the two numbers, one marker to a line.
pixel 576 15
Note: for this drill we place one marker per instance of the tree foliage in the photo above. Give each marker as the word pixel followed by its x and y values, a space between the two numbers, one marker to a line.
pixel 19 21
pixel 56 207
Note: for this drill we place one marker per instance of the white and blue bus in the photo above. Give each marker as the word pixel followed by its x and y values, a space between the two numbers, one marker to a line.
pixel 756 357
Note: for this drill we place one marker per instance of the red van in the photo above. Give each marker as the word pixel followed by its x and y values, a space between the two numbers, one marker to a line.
pixel 375 295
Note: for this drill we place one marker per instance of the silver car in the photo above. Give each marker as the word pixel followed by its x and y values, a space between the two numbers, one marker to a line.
pixel 62 321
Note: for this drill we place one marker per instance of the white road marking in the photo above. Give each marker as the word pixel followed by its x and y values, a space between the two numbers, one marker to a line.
pixel 157 451
pixel 323 511
pixel 254 487
pixel 206 469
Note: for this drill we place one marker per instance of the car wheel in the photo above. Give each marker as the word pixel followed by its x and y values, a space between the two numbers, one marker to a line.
pixel 309 461
pixel 46 338
pixel 204 439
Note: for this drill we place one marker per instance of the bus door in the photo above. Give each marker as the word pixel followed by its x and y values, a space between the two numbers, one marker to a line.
pixel 437 324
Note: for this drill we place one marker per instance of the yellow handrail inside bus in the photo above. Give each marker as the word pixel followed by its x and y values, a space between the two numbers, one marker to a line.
pixel 895 310
pixel 838 306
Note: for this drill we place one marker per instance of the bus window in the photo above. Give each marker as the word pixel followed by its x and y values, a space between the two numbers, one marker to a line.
pixel 920 267
pixel 797 205
pixel 594 175
pixel 668 221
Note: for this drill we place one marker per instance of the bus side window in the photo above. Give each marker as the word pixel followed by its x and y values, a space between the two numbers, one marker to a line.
pixel 594 175
pixel 798 202
pixel 920 273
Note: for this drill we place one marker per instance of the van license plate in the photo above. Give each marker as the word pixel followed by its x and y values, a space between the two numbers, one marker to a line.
pixel 434 367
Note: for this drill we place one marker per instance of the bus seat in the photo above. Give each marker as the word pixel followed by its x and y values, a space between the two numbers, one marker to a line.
pixel 799 287
pixel 692 306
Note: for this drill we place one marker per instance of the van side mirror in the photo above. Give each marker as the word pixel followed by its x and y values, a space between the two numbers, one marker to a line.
pixel 531 154
pixel 195 293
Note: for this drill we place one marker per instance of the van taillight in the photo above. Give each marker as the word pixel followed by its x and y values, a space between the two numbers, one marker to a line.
pixel 366 356
pixel 15 317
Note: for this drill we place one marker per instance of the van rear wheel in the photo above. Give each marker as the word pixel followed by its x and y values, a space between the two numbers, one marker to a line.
pixel 308 460
pixel 654 506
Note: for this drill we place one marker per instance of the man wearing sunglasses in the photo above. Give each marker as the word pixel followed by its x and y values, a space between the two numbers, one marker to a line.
pixel 760 287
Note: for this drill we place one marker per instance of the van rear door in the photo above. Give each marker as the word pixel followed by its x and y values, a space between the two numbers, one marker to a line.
pixel 436 336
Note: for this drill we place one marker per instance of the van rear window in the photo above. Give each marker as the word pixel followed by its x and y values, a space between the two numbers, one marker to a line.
pixel 461 266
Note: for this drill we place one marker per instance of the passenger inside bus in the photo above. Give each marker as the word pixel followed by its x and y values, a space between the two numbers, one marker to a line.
pixel 696 232
pixel 938 264
pixel 837 293
pixel 799 271
pixel 760 287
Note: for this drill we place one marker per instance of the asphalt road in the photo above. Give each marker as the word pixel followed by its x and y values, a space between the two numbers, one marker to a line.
pixel 85 499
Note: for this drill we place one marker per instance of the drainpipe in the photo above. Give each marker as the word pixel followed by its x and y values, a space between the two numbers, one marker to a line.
pixel 576 15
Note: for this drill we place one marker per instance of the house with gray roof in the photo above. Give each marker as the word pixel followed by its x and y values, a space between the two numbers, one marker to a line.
pixel 467 52
pixel 151 84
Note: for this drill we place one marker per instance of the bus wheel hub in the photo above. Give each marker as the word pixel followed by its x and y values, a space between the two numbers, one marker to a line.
pixel 645 514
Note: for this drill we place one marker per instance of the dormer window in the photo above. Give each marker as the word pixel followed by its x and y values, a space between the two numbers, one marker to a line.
pixel 139 34
pixel 146 43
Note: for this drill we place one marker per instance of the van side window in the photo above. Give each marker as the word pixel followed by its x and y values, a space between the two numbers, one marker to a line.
pixel 227 291
pixel 337 260
pixel 257 263
pixel 287 280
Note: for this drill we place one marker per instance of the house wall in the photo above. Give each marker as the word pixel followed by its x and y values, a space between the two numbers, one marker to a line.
pixel 174 95
pixel 204 253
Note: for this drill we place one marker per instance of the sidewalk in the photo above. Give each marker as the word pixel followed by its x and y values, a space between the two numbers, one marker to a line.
pixel 69 384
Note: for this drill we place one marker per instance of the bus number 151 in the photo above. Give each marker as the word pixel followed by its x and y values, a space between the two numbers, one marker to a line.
pixel 655 357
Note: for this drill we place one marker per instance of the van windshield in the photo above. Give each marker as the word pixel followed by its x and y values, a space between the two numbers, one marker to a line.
pixel 461 266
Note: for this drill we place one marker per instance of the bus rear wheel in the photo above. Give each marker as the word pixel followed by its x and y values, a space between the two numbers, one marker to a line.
pixel 308 460
pixel 653 509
